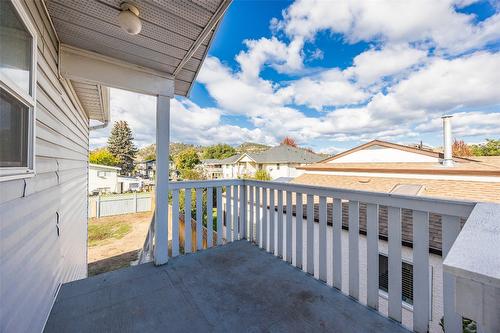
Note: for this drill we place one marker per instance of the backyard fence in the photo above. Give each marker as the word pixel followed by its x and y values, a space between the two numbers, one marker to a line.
pixel 116 204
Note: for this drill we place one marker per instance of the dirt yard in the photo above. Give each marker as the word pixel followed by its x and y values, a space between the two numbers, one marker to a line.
pixel 114 241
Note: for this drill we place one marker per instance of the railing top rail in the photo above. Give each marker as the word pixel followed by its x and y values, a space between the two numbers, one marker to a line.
pixel 460 208
pixel 473 254
pixel 204 183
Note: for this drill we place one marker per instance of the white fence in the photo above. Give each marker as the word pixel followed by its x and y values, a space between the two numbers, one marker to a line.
pixel 107 205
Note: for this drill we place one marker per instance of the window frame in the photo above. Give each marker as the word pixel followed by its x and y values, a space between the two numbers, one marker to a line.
pixel 385 295
pixel 26 98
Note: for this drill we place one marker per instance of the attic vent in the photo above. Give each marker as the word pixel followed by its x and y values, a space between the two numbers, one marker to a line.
pixel 406 189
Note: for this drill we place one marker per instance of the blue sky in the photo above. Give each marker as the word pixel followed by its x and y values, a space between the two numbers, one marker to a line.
pixel 334 74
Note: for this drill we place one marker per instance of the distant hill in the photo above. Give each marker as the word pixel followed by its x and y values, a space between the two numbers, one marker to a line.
pixel 251 147
pixel 149 152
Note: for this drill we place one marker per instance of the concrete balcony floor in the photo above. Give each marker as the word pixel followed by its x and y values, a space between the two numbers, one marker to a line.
pixel 236 287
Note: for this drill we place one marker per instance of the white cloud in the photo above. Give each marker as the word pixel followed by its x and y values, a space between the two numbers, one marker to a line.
pixel 421 21
pixel 467 124
pixel 331 88
pixel 373 65
pixel 413 72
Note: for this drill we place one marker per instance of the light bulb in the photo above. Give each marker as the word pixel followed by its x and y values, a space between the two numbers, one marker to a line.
pixel 129 19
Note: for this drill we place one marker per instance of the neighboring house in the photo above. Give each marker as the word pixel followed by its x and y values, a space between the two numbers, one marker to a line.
pixel 280 161
pixel 103 179
pixel 146 169
pixel 57 60
pixel 211 168
pixel 381 166
pixel 127 184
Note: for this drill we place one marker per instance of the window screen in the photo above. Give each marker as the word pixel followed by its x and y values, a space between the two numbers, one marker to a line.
pixel 407 274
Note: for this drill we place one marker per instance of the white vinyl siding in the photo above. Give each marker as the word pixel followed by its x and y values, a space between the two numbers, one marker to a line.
pixel 35 259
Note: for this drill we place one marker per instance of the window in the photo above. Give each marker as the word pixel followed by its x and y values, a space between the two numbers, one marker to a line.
pixel 407 275
pixel 17 91
pixel 277 166
pixel 101 174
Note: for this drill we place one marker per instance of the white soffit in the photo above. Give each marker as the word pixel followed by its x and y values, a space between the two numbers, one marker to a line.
pixel 174 39
pixel 94 99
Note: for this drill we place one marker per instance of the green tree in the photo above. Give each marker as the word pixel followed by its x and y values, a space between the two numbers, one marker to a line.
pixel 219 151
pixel 147 153
pixel 102 156
pixel 187 159
pixel 490 148
pixel 121 145
pixel 262 175
pixel 190 174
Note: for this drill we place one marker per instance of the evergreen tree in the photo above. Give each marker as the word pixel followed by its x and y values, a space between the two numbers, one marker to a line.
pixel 121 145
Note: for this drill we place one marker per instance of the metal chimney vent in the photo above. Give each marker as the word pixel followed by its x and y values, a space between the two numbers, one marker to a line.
pixel 447 142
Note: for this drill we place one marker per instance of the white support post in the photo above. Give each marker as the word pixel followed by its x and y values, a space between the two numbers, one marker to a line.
pixel 162 161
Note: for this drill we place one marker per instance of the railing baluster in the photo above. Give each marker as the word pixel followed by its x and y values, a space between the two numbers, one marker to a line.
pixel 228 214
pixel 219 216
pixel 272 224
pixel 187 221
pixel 450 231
pixel 199 219
pixel 236 219
pixel 310 234
pixel 210 219
pixel 421 299
pixel 288 226
pixel 337 243
pixel 243 209
pixel 354 249
pixel 251 236
pixel 322 238
pixel 258 222
pixel 372 272
pixel 265 243
pixel 395 264
pixel 175 223
pixel 298 230
pixel 279 222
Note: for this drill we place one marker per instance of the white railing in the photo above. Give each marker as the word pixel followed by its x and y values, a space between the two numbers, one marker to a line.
pixel 266 213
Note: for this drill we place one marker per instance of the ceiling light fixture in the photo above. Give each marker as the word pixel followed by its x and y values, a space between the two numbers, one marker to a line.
pixel 129 18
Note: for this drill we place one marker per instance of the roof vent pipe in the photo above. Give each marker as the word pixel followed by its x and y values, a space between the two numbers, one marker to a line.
pixel 447 142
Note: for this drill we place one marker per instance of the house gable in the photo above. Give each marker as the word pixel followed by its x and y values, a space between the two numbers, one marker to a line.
pixel 381 154
pixel 382 151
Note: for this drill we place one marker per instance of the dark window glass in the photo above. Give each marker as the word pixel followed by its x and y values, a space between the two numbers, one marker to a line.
pixel 407 274
pixel 14 131
pixel 15 50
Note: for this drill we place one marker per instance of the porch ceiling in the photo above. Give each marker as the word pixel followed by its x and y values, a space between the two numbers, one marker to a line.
pixel 174 39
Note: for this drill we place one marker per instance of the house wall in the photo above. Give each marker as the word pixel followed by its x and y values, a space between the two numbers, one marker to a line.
pixel 236 170
pixel 383 154
pixel 285 170
pixel 110 180
pixel 34 258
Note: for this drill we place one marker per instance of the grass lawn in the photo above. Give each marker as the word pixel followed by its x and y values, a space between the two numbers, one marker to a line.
pixel 103 232
pixel 113 241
